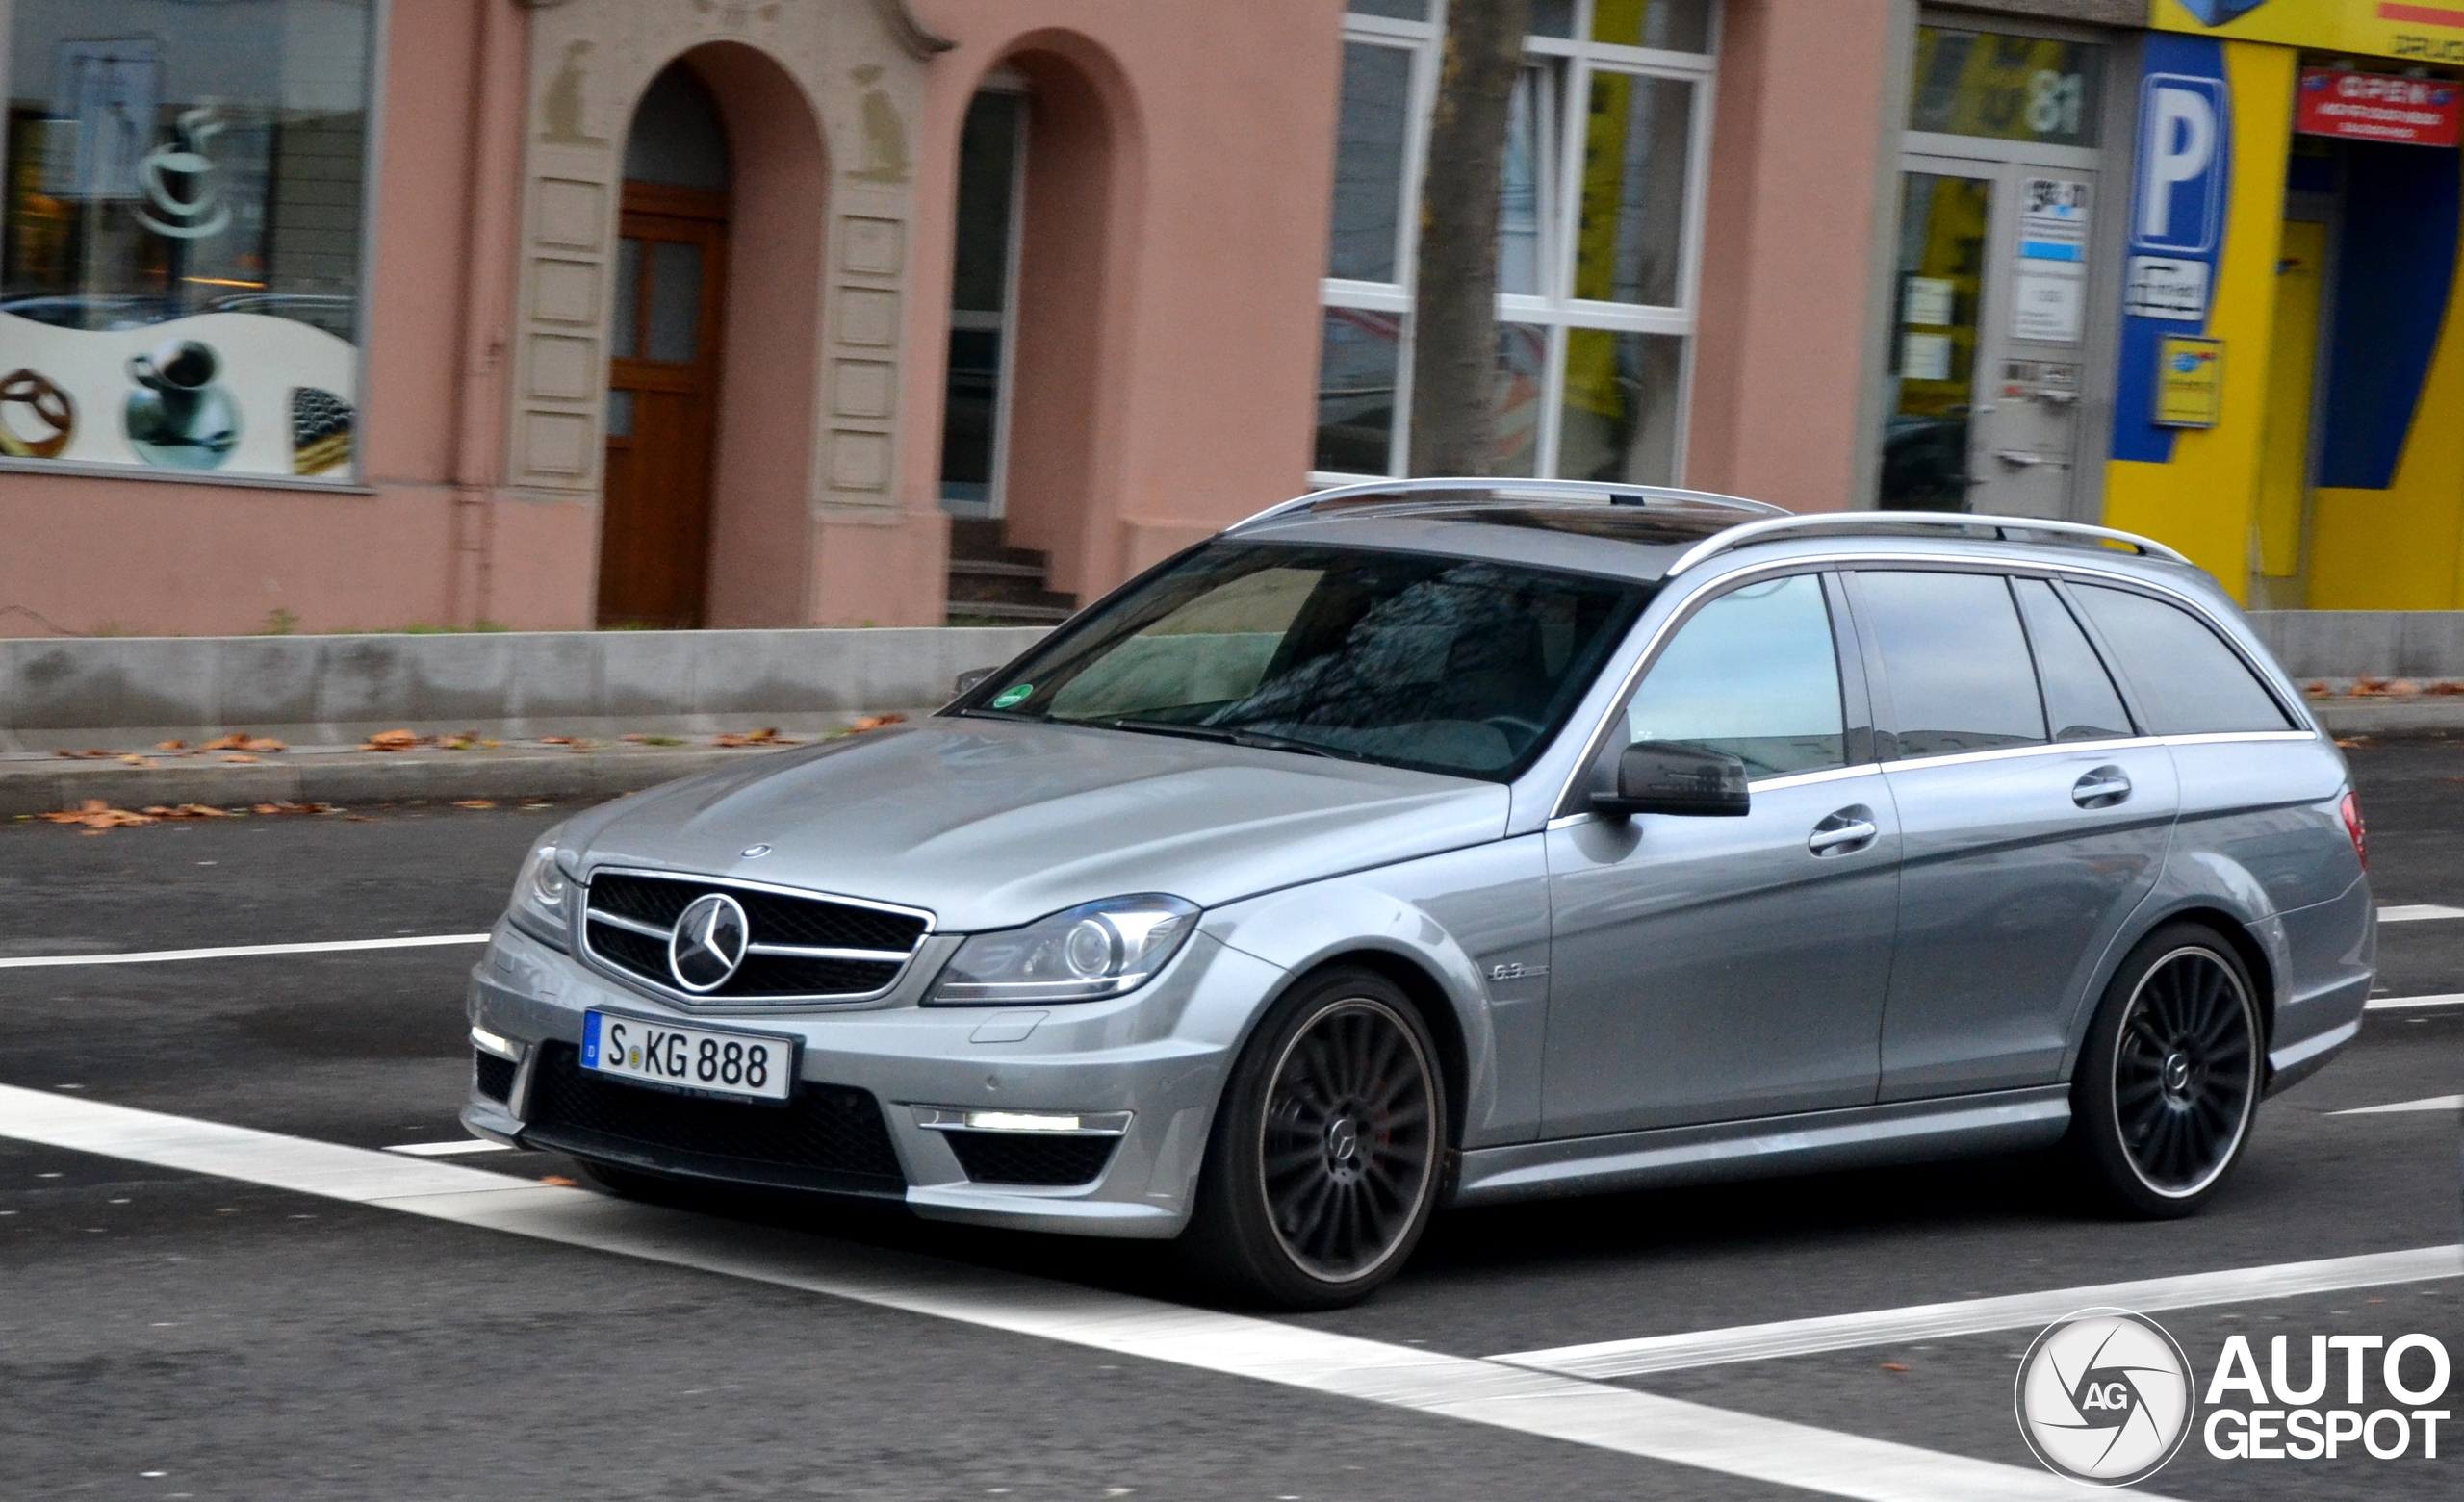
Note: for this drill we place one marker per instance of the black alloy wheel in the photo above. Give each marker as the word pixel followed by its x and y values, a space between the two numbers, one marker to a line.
pixel 2169 1082
pixel 1322 1168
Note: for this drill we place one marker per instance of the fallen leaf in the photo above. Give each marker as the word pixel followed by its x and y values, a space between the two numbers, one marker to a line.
pixel 2316 688
pixel 877 721
pixel 170 745
pixel 135 761
pixel 243 741
pixel 556 740
pixel 1893 1367
pixel 285 806
pixel 96 816
pixel 767 736
pixel 2446 686
pixel 237 757
pixel 393 741
pixel 560 1181
pixel 475 803
pixel 2403 687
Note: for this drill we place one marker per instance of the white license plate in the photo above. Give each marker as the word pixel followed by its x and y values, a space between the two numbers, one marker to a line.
pixel 745 1065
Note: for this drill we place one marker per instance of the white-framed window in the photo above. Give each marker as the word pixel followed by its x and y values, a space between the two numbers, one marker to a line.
pixel 1598 243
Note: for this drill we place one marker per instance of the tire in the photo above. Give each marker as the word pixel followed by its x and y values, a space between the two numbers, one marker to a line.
pixel 2168 1086
pixel 1324 1164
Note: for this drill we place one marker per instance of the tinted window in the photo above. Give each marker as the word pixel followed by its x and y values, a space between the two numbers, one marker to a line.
pixel 1443 664
pixel 1954 660
pixel 2188 682
pixel 1752 674
pixel 2080 700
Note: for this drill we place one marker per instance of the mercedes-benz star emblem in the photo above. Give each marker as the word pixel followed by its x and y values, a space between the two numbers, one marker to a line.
pixel 709 943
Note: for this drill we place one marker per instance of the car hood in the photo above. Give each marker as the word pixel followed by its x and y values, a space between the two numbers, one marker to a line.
pixel 991 823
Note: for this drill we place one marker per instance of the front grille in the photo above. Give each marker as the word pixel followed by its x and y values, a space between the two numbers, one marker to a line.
pixel 493 1076
pixel 771 918
pixel 829 1136
pixel 1023 1157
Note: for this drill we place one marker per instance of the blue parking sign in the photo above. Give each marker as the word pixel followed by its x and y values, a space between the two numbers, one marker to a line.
pixel 2184 126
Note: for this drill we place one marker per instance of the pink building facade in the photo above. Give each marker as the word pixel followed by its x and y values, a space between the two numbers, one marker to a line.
pixel 336 315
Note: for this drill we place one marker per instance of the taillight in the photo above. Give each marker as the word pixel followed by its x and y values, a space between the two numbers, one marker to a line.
pixel 2360 833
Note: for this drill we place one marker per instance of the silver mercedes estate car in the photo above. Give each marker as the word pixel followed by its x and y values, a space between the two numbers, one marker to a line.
pixel 1435 843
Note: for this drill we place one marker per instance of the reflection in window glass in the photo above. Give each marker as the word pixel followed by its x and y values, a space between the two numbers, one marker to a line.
pixel 2079 697
pixel 1752 674
pixel 172 160
pixel 1552 17
pixel 1392 9
pixel 676 301
pixel 1955 662
pixel 988 169
pixel 625 325
pixel 1942 223
pixel 1618 419
pixel 1633 190
pixel 1368 162
pixel 620 412
pixel 1523 376
pixel 1443 664
pixel 1358 360
pixel 2008 87
pixel 1676 25
pixel 2187 681
pixel 1527 185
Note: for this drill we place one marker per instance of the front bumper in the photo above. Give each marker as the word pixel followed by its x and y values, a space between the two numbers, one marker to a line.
pixel 1159 1054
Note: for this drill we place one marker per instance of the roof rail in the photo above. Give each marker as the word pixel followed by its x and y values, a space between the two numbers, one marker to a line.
pixel 1884 522
pixel 1412 493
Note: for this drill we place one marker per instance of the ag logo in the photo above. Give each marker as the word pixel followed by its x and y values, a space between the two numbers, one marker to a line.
pixel 2105 1397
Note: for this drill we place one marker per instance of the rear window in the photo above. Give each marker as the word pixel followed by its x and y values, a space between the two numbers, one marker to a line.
pixel 2187 681
pixel 1954 661
pixel 2079 696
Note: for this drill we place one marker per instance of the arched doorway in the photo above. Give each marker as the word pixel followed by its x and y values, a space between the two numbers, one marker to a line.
pixel 668 301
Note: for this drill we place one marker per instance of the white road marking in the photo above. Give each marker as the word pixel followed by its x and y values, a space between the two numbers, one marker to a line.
pixel 1977 1316
pixel 2382 1003
pixel 2428 1103
pixel 2417 912
pixel 461 1148
pixel 1529 1402
pixel 159 957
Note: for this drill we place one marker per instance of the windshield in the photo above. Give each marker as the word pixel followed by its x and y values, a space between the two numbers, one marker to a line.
pixel 1450 665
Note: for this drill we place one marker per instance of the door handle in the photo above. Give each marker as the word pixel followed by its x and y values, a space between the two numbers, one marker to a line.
pixel 1850 829
pixel 2102 788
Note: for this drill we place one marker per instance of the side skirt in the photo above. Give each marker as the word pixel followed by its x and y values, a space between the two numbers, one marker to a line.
pixel 1862 1137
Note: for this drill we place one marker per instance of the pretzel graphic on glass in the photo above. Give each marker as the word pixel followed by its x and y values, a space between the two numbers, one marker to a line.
pixel 49 405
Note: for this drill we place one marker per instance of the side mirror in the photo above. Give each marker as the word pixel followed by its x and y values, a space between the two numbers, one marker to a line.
pixel 971 678
pixel 1665 777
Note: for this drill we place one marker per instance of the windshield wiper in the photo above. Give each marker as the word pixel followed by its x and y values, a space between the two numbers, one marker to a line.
pixel 1256 739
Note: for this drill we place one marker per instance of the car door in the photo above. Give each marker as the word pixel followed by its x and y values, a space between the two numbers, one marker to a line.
pixel 2032 817
pixel 1709 969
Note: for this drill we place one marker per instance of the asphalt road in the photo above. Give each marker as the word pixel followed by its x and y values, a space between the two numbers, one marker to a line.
pixel 168 1335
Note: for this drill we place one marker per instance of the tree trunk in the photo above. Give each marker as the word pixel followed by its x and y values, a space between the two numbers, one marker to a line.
pixel 1454 337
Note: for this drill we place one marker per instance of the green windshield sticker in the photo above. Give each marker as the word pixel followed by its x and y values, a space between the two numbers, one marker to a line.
pixel 1015 693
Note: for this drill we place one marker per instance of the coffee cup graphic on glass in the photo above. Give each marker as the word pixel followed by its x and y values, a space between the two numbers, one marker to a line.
pixel 177 415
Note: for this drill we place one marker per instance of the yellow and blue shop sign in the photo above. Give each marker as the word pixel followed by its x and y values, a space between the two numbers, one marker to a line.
pixel 2289 408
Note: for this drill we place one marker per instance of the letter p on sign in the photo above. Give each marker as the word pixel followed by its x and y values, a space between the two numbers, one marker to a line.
pixel 2181 164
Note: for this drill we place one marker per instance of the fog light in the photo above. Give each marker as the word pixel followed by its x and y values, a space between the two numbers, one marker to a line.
pixel 487 1042
pixel 1080 1124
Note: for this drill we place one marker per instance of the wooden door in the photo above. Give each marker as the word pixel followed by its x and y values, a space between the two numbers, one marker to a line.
pixel 662 407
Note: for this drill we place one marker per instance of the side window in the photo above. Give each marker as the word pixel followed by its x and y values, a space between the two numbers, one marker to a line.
pixel 2188 682
pixel 1752 674
pixel 2080 700
pixel 1954 661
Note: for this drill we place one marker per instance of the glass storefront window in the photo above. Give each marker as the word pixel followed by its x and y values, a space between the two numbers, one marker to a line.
pixel 1942 224
pixel 1634 189
pixel 1594 286
pixel 2008 87
pixel 180 254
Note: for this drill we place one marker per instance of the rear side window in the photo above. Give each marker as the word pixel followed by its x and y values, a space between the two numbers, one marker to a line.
pixel 1753 674
pixel 1954 661
pixel 2080 700
pixel 2188 682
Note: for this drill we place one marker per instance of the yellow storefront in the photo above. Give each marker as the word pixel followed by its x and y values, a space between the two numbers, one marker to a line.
pixel 2290 401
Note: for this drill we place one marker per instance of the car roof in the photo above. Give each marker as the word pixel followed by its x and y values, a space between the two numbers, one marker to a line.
pixel 1653 533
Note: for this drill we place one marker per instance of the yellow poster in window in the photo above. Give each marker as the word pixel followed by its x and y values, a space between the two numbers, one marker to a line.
pixel 2190 381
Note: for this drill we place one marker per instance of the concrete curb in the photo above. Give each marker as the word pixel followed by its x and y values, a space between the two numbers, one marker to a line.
pixel 360 777
pixel 2390 716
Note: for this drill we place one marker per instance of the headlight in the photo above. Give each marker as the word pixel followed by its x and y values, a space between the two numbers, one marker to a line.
pixel 1102 949
pixel 542 895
